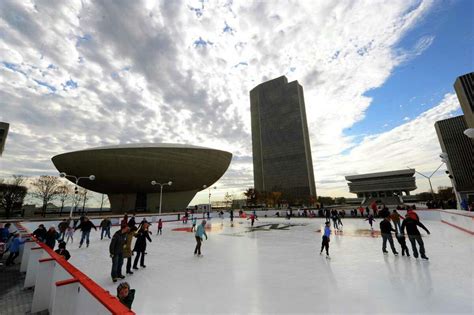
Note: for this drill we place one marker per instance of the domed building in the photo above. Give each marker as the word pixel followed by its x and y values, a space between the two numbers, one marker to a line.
pixel 125 173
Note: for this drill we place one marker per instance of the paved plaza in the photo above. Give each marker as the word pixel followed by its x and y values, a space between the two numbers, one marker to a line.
pixel 275 267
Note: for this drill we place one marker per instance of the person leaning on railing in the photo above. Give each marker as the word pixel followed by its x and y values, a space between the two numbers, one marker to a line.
pixel 125 294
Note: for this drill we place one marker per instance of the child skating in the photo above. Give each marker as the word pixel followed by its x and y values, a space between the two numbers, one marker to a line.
pixel 325 240
pixel 160 226
pixel 371 220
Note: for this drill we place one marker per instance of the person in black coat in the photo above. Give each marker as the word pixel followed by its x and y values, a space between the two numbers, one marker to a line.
pixel 125 294
pixel 40 233
pixel 51 237
pixel 86 227
pixel 63 251
pixel 116 247
pixel 386 231
pixel 140 245
pixel 410 223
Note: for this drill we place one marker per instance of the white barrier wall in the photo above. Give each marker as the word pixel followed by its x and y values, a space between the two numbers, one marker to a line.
pixel 459 219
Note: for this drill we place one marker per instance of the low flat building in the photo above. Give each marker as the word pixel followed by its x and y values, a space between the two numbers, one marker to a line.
pixel 387 187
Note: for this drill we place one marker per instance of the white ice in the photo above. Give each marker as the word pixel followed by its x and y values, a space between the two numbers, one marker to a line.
pixel 269 271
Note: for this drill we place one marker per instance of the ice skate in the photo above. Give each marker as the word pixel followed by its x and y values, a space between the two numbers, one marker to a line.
pixel 327 257
pixel 424 257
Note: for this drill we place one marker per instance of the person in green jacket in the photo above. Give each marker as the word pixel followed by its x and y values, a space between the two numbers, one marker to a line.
pixel 125 294
pixel 200 232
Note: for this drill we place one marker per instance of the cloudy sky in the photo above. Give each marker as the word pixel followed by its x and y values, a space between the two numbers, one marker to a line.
pixel 376 76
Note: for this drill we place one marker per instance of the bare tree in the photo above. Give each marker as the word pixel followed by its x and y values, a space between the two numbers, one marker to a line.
pixel 46 188
pixel 228 199
pixel 12 194
pixel 65 191
pixel 83 197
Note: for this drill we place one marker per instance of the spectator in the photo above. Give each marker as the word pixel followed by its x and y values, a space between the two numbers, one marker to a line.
pixel 116 251
pixel 125 294
pixel 40 233
pixel 5 233
pixel 51 236
pixel 14 249
pixel 62 250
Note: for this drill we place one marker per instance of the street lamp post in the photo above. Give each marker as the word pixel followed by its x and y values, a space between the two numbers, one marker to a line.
pixel 154 182
pixel 209 204
pixel 76 180
pixel 428 177
pixel 445 159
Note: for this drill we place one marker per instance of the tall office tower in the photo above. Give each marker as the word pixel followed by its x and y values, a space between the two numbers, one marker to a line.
pixel 280 141
pixel 464 86
pixel 3 135
pixel 460 151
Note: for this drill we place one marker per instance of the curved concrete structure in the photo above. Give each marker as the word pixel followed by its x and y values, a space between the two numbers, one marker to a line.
pixel 125 172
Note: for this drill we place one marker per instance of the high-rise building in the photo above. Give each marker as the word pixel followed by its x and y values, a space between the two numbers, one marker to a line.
pixel 460 152
pixel 280 142
pixel 3 135
pixel 464 86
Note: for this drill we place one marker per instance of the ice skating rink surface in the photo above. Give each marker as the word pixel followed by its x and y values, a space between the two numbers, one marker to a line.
pixel 276 268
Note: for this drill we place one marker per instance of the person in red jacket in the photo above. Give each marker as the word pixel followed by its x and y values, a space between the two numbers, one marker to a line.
pixel 252 218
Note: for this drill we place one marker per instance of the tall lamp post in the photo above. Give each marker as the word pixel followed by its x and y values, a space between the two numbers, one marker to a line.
pixel 445 159
pixel 76 180
pixel 154 182
pixel 209 204
pixel 428 177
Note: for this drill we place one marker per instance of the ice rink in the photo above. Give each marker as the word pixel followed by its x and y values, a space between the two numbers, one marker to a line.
pixel 276 267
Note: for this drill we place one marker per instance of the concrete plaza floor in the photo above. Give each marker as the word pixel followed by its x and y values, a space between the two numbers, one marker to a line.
pixel 276 267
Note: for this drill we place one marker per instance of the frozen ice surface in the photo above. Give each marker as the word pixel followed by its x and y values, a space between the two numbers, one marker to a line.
pixel 275 268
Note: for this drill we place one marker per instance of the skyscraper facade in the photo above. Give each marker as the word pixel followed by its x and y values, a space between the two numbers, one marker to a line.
pixel 280 142
pixel 464 86
pixel 3 135
pixel 460 151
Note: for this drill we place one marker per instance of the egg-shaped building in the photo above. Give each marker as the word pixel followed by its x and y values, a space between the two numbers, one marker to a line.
pixel 125 173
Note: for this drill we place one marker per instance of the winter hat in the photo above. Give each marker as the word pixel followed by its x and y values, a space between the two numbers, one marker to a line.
pixel 62 245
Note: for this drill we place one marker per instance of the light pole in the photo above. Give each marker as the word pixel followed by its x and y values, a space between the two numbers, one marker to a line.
pixel 445 159
pixel 76 180
pixel 154 182
pixel 428 177
pixel 209 204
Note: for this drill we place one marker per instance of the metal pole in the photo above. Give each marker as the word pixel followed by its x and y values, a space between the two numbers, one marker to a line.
pixel 161 193
pixel 74 199
pixel 431 187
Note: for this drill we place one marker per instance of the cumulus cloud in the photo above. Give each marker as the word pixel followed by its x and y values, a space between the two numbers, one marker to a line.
pixel 90 73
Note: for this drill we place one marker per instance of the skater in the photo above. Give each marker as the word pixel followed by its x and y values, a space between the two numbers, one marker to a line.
pixel 395 217
pixel 116 251
pixel 62 226
pixel 371 219
pixel 326 239
pixel 194 224
pixel 386 231
pixel 160 227
pixel 339 221
pixel 334 219
pixel 127 249
pixel 288 214
pixel 125 294
pixel 327 213
pixel 5 232
pixel 401 240
pixel 14 249
pixel 40 233
pixel 131 223
pixel 125 219
pixel 252 219
pixel 70 232
pixel 414 235
pixel 62 250
pixel 200 231
pixel 86 227
pixel 140 246
pixel 51 237
pixel 231 213
pixel 104 227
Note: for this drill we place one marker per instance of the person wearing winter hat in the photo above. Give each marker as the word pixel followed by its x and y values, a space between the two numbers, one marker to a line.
pixel 200 232
pixel 62 250
pixel 51 236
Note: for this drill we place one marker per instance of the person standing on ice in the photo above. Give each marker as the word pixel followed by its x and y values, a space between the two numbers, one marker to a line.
pixel 160 226
pixel 386 231
pixel 371 220
pixel 86 227
pixel 200 232
pixel 325 239
pixel 252 219
pixel 105 225
pixel 411 223
pixel 231 213
pixel 51 237
pixel 127 249
pixel 395 217
pixel 116 251
pixel 194 224
pixel 140 246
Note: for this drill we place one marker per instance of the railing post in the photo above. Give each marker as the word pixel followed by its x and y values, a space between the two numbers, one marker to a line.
pixel 44 279
pixel 33 262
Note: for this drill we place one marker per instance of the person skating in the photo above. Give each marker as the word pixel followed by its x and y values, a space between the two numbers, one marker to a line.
pixel 104 226
pixel 14 249
pixel 51 237
pixel 411 223
pixel 40 233
pixel 252 219
pixel 395 217
pixel 140 246
pixel 5 232
pixel 125 294
pixel 193 228
pixel 326 239
pixel 386 231
pixel 200 232
pixel 160 227
pixel 131 223
pixel 127 250
pixel 231 213
pixel 70 232
pixel 62 226
pixel 62 250
pixel 334 219
pixel 116 251
pixel 339 221
pixel 401 240
pixel 85 227
pixel 371 220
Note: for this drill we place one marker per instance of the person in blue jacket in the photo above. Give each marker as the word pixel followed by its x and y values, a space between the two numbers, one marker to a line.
pixel 5 233
pixel 200 232
pixel 325 239
pixel 14 249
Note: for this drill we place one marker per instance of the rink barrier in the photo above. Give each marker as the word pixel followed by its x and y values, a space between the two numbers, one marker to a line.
pixel 61 288
pixel 463 221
